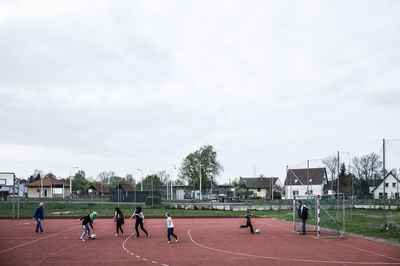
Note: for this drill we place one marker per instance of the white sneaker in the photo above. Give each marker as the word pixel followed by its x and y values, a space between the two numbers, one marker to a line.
pixel 116 234
pixel 82 239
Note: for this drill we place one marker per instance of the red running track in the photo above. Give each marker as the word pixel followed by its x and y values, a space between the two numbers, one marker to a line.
pixel 213 241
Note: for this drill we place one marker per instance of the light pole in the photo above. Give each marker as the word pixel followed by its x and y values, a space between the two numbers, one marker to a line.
pixel 70 181
pixel 172 191
pixel 141 183
pixel 41 182
pixel 200 181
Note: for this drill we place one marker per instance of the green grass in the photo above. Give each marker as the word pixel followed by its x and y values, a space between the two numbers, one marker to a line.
pixel 359 221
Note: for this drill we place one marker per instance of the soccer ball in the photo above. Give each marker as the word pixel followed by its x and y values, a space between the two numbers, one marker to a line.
pixel 258 231
pixel 93 236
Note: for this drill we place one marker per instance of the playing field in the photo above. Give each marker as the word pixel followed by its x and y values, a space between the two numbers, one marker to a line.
pixel 202 241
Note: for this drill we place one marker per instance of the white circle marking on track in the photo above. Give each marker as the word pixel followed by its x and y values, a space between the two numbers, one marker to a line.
pixel 288 259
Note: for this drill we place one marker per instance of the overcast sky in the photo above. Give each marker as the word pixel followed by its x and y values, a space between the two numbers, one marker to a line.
pixel 121 85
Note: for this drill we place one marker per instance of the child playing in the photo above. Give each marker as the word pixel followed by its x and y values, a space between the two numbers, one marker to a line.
pixel 119 219
pixel 248 223
pixel 87 219
pixel 139 220
pixel 170 226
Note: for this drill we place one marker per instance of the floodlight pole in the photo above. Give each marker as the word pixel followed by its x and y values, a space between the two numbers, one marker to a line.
pixel 70 183
pixel 308 178
pixel 172 190
pixel 141 183
pixel 384 185
pixel 200 182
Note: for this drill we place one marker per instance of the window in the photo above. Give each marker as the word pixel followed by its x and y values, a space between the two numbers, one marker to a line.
pixel 295 192
pixel 38 190
pixel 386 184
pixel 258 189
pixel 393 184
pixel 380 195
pixel 396 195
pixel 57 190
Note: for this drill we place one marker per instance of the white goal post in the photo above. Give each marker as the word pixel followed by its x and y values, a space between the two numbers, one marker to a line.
pixel 326 215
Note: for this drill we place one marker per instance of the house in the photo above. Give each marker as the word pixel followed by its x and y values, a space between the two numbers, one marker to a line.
pixel 261 187
pixel 48 187
pixel 96 191
pixel 306 181
pixel 391 183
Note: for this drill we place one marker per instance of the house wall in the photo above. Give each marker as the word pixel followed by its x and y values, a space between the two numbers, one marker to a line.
pixel 262 193
pixel 301 190
pixel 32 192
pixel 389 190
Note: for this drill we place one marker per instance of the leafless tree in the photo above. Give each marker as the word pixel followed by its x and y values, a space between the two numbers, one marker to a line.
pixel 129 179
pixel 105 177
pixel 332 164
pixel 367 167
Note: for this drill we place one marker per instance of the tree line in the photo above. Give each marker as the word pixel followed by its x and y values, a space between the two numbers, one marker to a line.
pixel 201 162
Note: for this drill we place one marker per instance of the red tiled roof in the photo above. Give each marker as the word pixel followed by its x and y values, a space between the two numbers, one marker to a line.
pixel 126 187
pixel 47 182
pixel 100 188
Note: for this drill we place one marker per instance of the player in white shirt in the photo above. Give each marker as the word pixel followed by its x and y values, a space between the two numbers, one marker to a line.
pixel 170 226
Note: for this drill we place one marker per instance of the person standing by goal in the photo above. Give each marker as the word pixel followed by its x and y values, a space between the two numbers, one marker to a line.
pixel 303 215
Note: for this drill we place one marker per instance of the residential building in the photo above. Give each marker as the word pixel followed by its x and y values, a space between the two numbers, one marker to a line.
pixel 391 183
pixel 48 187
pixel 96 191
pixel 261 187
pixel 307 181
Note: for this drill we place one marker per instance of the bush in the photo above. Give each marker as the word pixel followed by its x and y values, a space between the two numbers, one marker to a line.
pixel 156 200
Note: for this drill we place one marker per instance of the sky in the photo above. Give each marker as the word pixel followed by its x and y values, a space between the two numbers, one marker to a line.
pixel 122 85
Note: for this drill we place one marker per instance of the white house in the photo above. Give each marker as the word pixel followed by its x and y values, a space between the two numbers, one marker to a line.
pixel 391 183
pixel 301 182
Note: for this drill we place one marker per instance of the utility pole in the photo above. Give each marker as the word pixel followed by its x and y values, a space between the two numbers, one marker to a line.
pixel 200 181
pixel 308 178
pixel 384 185
pixel 338 173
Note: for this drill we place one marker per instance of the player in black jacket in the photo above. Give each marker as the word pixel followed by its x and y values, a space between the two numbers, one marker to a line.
pixel 87 220
pixel 248 222
pixel 119 219
pixel 303 215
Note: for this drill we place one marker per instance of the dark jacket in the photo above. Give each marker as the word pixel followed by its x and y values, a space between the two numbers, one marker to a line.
pixel 86 220
pixel 119 217
pixel 38 214
pixel 248 215
pixel 302 211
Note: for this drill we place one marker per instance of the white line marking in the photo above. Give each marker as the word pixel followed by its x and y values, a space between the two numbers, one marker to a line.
pixel 288 259
pixel 342 244
pixel 33 241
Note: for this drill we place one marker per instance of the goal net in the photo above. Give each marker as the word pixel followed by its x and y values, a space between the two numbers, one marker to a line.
pixel 326 215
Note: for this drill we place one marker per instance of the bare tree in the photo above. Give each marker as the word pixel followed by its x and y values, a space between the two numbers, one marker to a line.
pixel 367 167
pixel 332 164
pixel 105 177
pixel 129 179
pixel 164 176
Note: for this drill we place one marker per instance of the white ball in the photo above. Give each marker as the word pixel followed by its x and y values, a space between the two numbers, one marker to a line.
pixel 93 236
pixel 258 231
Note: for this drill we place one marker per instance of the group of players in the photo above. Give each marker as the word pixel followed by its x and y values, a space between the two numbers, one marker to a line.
pixel 119 220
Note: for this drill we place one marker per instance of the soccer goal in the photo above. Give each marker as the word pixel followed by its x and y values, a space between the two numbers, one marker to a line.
pixel 326 215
